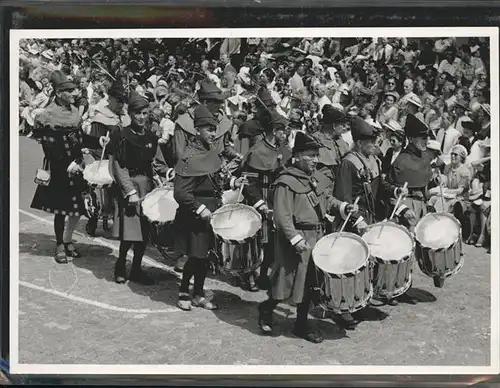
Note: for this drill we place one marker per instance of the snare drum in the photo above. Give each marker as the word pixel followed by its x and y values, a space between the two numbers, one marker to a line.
pixel 98 175
pixel 391 251
pixel 160 207
pixel 237 226
pixel 98 201
pixel 343 272
pixel 439 246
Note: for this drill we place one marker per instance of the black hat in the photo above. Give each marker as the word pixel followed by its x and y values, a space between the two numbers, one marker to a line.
pixel 332 115
pixel 361 130
pixel 209 91
pixel 472 125
pixel 415 128
pixel 203 117
pixel 60 81
pixel 304 142
pixel 118 91
pixel 136 102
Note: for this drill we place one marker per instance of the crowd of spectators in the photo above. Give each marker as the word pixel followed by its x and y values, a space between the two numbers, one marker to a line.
pixel 444 82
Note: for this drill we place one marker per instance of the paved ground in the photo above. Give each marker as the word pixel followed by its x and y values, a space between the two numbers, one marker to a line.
pixel 76 314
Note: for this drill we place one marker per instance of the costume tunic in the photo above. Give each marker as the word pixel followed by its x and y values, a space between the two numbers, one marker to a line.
pixel 300 204
pixel 136 158
pixel 58 128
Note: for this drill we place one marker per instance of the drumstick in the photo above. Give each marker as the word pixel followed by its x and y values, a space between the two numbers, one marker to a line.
pixel 441 192
pixel 398 201
pixel 241 189
pixel 400 197
pixel 104 147
pixel 345 223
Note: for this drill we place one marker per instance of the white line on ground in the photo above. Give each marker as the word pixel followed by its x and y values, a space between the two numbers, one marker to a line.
pixel 114 247
pixel 95 303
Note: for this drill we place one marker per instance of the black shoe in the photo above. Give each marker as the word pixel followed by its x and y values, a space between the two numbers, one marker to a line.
pixel 91 227
pixel 60 255
pixel 120 272
pixel 308 333
pixel 347 321
pixel 252 286
pixel 265 320
pixel 263 282
pixel 438 281
pixel 141 277
pixel 71 251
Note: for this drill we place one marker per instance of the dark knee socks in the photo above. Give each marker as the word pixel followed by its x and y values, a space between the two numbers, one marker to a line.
pixel 139 249
pixel 196 267
pixel 59 228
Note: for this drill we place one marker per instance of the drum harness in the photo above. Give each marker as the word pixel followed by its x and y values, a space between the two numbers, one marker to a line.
pixel 366 176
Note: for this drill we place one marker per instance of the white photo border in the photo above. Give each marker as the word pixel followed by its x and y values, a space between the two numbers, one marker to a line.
pixel 198 370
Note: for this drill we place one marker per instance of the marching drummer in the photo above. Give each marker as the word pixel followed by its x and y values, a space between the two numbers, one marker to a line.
pixel 198 187
pixel 252 131
pixel 108 119
pixel 136 159
pixel 212 98
pixel 413 166
pixel 334 147
pixel 261 165
pixel 300 204
pixel 360 175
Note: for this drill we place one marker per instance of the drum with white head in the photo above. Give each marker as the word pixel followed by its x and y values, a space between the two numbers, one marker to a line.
pixel 98 175
pixel 439 245
pixel 391 250
pixel 237 226
pixel 343 272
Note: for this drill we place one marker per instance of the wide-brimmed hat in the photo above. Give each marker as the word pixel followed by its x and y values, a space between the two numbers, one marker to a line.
pixel 393 126
pixel 392 94
pixel 415 100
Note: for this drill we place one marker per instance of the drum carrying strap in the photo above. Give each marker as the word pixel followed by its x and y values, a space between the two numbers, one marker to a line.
pixel 366 176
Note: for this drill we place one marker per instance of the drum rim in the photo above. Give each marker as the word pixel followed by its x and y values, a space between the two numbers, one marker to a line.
pixel 405 257
pixel 428 215
pixel 236 205
pixel 148 195
pixel 344 234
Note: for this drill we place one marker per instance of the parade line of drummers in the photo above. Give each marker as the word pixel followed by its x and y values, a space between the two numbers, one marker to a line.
pixel 316 223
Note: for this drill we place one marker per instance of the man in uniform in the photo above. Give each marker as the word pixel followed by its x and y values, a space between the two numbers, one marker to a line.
pixel 412 166
pixel 264 160
pixel 300 204
pixel 360 175
pixel 334 146
pixel 184 133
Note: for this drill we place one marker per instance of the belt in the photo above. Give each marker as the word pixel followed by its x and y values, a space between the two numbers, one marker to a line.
pixel 316 227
